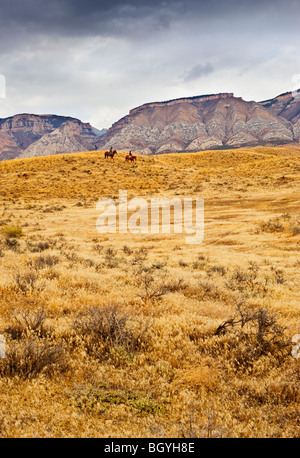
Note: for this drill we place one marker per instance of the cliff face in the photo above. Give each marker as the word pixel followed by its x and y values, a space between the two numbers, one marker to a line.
pixel 28 135
pixel 187 124
pixel 286 106
pixel 198 123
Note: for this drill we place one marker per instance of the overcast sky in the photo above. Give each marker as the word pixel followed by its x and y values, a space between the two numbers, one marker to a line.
pixel 97 59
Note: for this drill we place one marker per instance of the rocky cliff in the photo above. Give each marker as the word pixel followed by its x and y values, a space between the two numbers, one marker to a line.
pixel 286 106
pixel 180 125
pixel 28 135
pixel 204 122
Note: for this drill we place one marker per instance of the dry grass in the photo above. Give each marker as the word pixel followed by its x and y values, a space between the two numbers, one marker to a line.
pixel 126 335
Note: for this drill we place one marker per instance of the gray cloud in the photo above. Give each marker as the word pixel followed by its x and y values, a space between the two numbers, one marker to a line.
pixel 119 17
pixel 91 17
pixel 97 59
pixel 197 71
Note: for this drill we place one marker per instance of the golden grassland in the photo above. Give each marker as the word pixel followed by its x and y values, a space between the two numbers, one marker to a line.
pixel 122 335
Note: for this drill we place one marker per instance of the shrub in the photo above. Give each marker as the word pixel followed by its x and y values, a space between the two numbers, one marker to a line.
pixel 273 225
pixel 279 276
pixel 127 250
pixel 105 328
pixel 98 248
pixel 254 333
pixel 218 269
pixel 247 282
pixel 149 287
pixel 97 399
pixel 45 261
pixel 295 230
pixel 204 289
pixel 12 244
pixel 37 247
pixel 111 261
pixel 12 231
pixel 158 265
pixel 27 323
pixel 27 358
pixel 140 255
pixel 26 281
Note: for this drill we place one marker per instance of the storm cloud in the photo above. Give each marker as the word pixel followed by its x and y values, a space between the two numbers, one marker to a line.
pixel 197 71
pixel 96 60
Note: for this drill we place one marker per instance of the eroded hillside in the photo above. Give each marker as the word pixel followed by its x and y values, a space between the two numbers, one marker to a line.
pixel 144 335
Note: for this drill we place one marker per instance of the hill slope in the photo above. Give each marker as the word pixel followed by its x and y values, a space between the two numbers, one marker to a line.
pixel 199 123
pixel 27 135
pixel 219 121
pixel 144 335
pixel 286 106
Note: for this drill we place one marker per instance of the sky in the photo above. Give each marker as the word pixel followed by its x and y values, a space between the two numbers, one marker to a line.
pixel 97 59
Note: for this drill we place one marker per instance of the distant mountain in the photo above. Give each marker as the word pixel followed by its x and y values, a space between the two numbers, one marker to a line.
pixel 181 125
pixel 99 132
pixel 205 122
pixel 29 135
pixel 286 106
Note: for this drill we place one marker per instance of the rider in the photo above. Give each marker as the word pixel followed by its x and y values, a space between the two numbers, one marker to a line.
pixel 111 150
pixel 130 154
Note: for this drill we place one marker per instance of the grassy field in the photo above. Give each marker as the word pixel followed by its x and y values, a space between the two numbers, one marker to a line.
pixel 144 335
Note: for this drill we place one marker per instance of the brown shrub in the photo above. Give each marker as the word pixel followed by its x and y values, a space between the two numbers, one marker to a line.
pixel 104 329
pixel 27 358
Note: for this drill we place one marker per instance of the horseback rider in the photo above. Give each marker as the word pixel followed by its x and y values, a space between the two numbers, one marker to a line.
pixel 130 155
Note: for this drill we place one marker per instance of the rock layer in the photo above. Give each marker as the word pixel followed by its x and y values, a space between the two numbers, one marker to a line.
pixel 180 125
pixel 28 135
pixel 204 122
pixel 286 106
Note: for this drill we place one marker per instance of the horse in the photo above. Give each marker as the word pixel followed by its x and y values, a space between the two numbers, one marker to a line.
pixel 130 158
pixel 110 154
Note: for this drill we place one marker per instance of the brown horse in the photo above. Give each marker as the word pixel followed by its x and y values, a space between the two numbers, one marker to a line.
pixel 130 158
pixel 110 154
